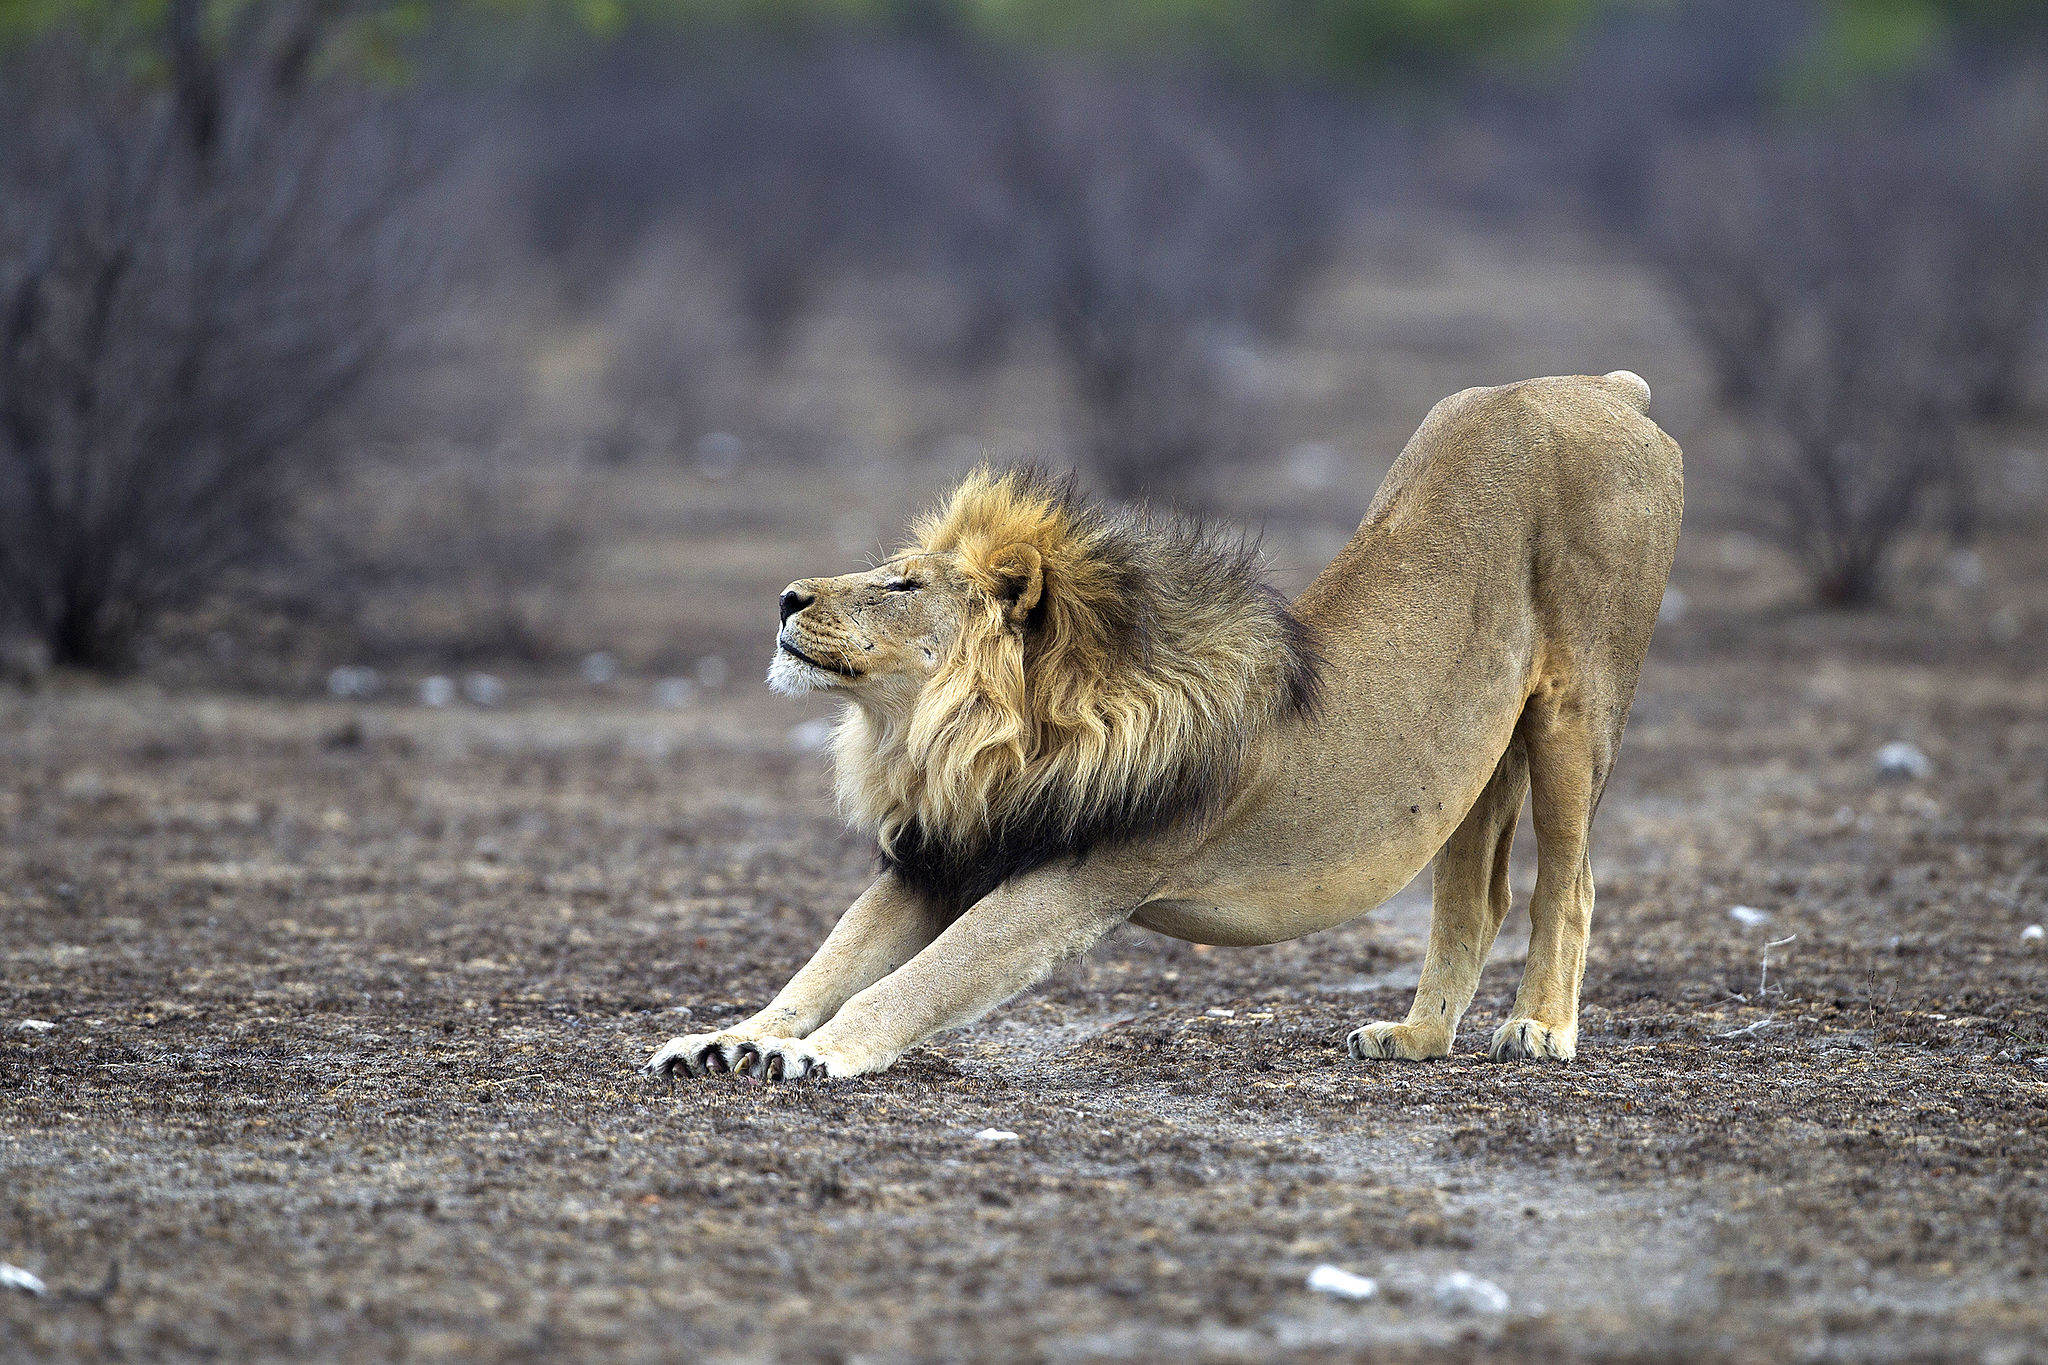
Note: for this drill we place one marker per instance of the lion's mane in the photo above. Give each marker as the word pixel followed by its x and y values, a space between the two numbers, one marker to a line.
pixel 1125 701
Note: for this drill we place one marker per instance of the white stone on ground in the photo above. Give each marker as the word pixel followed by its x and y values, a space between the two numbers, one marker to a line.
pixel 674 693
pixel 1341 1283
pixel 1463 1292
pixel 14 1277
pixel 349 680
pixel 1902 761
pixel 1749 916
pixel 809 736
pixel 995 1135
pixel 483 689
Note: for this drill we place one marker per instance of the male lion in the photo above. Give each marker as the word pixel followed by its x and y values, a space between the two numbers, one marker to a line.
pixel 1064 717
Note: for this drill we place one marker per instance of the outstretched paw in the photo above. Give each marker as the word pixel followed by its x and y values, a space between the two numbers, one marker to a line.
pixel 1528 1038
pixel 783 1059
pixel 1398 1042
pixel 697 1054
pixel 767 1059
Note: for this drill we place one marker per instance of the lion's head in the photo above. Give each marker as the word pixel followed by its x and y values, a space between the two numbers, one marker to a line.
pixel 1035 675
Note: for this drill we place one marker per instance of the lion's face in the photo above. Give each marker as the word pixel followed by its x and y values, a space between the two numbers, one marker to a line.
pixel 878 635
pixel 1033 674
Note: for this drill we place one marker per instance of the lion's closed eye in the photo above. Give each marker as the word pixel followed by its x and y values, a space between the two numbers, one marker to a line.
pixel 901 585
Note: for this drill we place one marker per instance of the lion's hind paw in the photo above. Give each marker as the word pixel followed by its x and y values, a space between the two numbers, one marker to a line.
pixel 1395 1042
pixel 1530 1039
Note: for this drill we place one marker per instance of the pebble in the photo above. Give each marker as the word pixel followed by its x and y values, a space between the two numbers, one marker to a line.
pixel 1463 1292
pixel 1220 1013
pixel 483 689
pixel 1966 568
pixel 1901 761
pixel 1740 551
pixel 350 680
pixel 1671 610
pixel 719 454
pixel 2033 933
pixel 14 1277
pixel 1749 915
pixel 599 668
pixel 674 693
pixel 437 691
pixel 44 1025
pixel 995 1135
pixel 811 735
pixel 1341 1283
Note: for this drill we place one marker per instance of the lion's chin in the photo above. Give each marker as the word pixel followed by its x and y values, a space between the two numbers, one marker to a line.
pixel 792 677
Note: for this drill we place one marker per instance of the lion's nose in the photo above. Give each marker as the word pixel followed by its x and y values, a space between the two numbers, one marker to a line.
pixel 795 599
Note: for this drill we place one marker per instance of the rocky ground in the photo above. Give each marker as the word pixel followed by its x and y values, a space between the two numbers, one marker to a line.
pixel 345 1006
pixel 346 1002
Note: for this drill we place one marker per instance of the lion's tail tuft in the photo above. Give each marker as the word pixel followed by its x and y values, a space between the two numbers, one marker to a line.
pixel 1631 388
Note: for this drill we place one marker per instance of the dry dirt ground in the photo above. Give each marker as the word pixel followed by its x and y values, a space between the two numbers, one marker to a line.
pixel 347 1002
pixel 347 1005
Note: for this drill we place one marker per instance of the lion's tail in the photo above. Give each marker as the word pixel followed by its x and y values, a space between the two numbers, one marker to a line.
pixel 1630 388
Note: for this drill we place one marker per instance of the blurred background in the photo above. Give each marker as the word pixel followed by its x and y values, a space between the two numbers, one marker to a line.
pixel 456 352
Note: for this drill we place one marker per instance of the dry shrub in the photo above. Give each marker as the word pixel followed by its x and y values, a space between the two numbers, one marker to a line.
pixel 195 284
pixel 1863 291
pixel 450 552
pixel 1144 222
pixel 1138 220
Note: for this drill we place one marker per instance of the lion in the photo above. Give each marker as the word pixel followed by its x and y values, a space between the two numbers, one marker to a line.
pixel 1063 717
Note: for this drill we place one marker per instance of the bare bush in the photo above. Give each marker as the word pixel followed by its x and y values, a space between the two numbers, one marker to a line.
pixel 779 161
pixel 1144 222
pixel 194 283
pixel 1863 291
pixel 1138 220
pixel 444 552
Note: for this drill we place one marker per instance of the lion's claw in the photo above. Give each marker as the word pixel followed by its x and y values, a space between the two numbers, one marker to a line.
pixel 697 1054
pixel 1531 1039
pixel 786 1059
pixel 717 1054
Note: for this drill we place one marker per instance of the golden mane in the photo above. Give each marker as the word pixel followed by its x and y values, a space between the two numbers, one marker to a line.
pixel 1119 702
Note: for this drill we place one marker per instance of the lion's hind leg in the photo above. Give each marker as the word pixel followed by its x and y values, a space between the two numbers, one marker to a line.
pixel 1572 741
pixel 1469 900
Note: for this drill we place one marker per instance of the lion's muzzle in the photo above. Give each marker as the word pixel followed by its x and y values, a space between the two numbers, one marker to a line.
pixel 794 599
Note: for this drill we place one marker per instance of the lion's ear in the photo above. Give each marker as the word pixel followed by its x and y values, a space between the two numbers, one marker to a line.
pixel 1020 579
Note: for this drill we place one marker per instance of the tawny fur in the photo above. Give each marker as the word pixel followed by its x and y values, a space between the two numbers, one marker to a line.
pixel 1062 719
pixel 1123 701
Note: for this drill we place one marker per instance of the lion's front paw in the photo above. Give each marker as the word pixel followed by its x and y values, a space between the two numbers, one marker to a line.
pixel 788 1059
pixel 1400 1042
pixel 697 1054
pixel 1529 1038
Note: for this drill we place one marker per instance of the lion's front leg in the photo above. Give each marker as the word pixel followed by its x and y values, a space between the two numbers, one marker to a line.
pixel 1005 943
pixel 886 927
